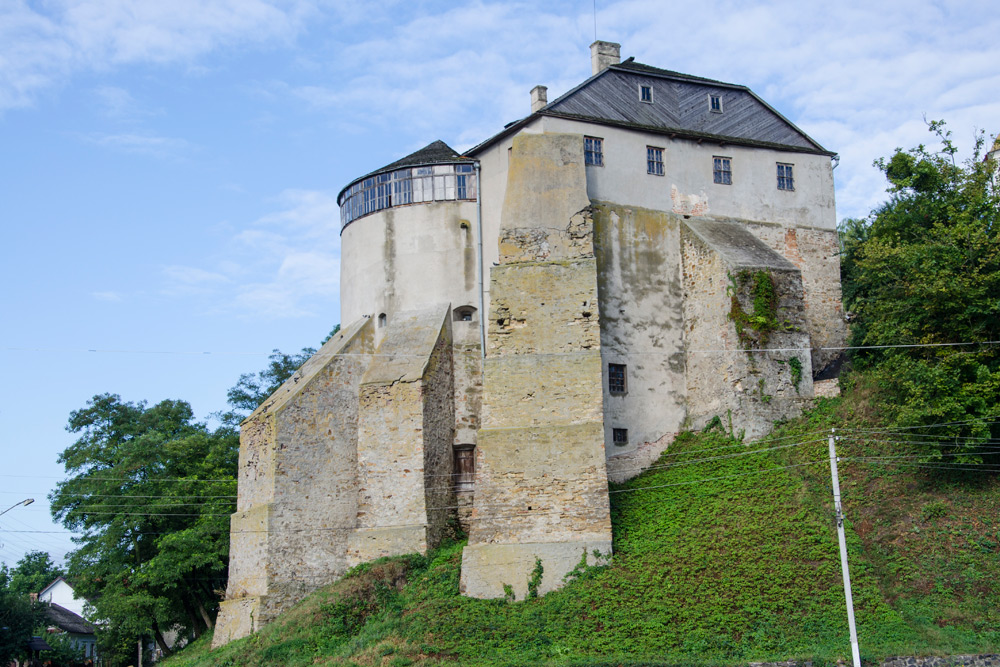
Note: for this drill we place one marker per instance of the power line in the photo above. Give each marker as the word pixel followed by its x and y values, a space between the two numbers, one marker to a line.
pixel 837 348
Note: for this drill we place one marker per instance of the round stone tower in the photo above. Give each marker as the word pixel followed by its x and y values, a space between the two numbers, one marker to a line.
pixel 408 237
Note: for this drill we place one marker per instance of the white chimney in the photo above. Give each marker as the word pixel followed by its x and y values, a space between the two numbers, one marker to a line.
pixel 539 98
pixel 603 55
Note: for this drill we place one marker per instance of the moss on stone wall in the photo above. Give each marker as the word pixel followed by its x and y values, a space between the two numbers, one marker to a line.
pixel 753 328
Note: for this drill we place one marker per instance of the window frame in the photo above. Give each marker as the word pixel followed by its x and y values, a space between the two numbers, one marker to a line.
pixel 616 388
pixel 654 161
pixel 715 103
pixel 786 176
pixel 643 89
pixel 722 170
pixel 463 481
pixel 593 151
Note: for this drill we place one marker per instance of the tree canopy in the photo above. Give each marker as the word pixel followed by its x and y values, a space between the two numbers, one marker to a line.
pixel 151 490
pixel 923 270
pixel 32 573
pixel 18 614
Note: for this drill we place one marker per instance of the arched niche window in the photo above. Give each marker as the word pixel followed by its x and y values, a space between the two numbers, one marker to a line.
pixel 464 467
pixel 381 320
pixel 464 314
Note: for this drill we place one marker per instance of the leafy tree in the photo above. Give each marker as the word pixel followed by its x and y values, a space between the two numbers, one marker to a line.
pixel 923 269
pixel 152 491
pixel 18 617
pixel 33 572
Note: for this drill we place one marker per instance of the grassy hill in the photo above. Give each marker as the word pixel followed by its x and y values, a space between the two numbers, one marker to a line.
pixel 725 552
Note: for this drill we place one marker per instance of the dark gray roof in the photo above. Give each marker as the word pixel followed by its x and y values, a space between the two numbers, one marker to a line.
pixel 64 619
pixel 433 153
pixel 38 644
pixel 680 107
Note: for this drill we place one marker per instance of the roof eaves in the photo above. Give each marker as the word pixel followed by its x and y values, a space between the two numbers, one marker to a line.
pixel 509 129
pixel 689 134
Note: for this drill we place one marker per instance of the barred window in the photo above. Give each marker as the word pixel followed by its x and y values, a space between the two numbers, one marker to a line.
pixel 619 436
pixel 617 378
pixel 785 179
pixel 654 161
pixel 593 151
pixel 722 170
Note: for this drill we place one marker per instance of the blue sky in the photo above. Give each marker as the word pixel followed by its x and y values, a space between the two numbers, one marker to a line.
pixel 168 170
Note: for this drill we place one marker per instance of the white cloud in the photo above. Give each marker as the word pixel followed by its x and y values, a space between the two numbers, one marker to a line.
pixel 141 144
pixel 107 296
pixel 42 46
pixel 285 264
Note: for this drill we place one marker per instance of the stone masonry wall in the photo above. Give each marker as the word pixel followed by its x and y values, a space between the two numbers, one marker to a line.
pixel 406 420
pixel 816 253
pixel 541 487
pixel 642 327
pixel 438 398
pixel 297 487
pixel 751 388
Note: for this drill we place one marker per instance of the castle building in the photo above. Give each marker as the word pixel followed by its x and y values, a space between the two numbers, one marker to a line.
pixel 527 320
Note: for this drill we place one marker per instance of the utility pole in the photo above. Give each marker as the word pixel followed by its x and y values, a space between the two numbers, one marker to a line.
pixel 855 652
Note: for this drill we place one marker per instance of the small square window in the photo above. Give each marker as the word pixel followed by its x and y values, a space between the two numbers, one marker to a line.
pixel 785 179
pixel 593 151
pixel 722 170
pixel 646 94
pixel 715 103
pixel 654 160
pixel 619 436
pixel 617 378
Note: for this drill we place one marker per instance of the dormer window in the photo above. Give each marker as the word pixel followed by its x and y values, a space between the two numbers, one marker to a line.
pixel 646 94
pixel 715 103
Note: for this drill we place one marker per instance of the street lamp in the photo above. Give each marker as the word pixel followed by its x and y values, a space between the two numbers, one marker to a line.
pixel 26 501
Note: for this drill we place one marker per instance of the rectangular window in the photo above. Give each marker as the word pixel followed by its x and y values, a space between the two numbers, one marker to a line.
pixel 464 470
pixel 593 151
pixel 722 170
pixel 646 94
pixel 654 161
pixel 715 103
pixel 785 179
pixel 617 378
pixel 619 436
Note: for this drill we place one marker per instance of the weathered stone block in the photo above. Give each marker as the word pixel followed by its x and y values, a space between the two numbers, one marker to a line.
pixel 513 565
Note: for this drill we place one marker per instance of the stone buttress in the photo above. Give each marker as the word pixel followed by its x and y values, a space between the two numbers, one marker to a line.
pixel 747 389
pixel 348 461
pixel 541 484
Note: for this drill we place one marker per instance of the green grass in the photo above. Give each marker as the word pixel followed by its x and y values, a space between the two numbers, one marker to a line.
pixel 718 561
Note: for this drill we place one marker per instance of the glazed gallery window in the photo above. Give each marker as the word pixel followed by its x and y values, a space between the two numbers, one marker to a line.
pixel 593 151
pixel 722 170
pixel 785 179
pixel 654 161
